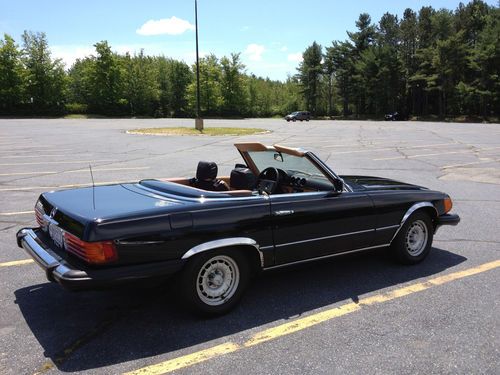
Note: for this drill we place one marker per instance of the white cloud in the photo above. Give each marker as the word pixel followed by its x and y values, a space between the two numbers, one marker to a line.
pixel 70 53
pixel 170 26
pixel 284 49
pixel 254 52
pixel 296 57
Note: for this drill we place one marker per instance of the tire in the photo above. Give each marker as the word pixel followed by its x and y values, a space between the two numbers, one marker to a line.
pixel 294 120
pixel 212 283
pixel 287 120
pixel 414 240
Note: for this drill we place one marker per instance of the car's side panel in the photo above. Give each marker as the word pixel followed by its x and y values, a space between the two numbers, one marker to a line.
pixel 211 221
pixel 309 225
pixel 391 207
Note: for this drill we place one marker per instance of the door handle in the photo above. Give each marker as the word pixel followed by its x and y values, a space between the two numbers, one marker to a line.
pixel 284 213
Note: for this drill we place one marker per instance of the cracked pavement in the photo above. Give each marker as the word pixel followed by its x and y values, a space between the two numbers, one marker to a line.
pixel 450 329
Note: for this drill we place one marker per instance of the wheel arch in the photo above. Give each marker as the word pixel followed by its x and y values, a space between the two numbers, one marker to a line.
pixel 249 247
pixel 427 207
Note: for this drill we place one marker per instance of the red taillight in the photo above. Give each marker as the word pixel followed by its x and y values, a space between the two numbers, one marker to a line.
pixel 39 214
pixel 91 252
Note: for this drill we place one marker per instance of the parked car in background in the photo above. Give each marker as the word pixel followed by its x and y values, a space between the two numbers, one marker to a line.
pixel 396 116
pixel 282 207
pixel 299 115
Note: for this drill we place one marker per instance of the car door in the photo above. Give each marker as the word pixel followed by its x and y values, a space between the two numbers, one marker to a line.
pixel 309 225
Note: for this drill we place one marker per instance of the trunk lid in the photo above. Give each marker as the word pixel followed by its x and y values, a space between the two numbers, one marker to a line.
pixel 80 211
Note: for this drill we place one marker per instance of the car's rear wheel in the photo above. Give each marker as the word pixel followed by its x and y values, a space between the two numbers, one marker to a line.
pixel 212 283
pixel 414 240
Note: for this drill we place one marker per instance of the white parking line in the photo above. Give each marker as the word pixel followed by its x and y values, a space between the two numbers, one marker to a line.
pixel 394 148
pixel 60 162
pixel 472 163
pixel 16 213
pixel 30 156
pixel 65 186
pixel 85 170
pixel 440 153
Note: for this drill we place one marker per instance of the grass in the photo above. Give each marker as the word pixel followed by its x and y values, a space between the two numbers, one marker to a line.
pixel 211 131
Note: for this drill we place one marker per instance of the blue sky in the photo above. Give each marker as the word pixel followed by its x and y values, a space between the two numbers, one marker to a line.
pixel 270 34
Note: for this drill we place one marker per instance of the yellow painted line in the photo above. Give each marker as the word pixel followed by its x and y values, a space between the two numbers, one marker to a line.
pixel 16 213
pixel 16 263
pixel 306 322
pixel 59 162
pixel 187 360
pixel 300 324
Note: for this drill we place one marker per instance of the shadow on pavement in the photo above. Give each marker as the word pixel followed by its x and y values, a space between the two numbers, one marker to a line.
pixel 88 330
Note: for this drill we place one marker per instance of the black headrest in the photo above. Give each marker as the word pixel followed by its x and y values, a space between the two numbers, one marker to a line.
pixel 207 170
pixel 242 178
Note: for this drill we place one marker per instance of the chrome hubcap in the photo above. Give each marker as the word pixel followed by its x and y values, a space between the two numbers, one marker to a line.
pixel 416 238
pixel 217 280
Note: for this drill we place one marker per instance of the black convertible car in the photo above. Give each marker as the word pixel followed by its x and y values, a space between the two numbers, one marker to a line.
pixel 283 206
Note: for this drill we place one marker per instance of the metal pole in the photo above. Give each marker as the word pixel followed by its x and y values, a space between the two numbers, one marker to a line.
pixel 199 120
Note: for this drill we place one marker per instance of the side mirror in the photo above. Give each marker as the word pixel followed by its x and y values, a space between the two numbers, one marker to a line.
pixel 338 184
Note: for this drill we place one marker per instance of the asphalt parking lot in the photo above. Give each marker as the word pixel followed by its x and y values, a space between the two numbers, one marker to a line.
pixel 357 314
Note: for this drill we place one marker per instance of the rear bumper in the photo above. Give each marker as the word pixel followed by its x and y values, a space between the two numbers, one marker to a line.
pixel 74 278
pixel 447 219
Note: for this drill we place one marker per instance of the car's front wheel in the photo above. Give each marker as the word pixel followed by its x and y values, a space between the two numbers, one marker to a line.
pixel 414 240
pixel 212 283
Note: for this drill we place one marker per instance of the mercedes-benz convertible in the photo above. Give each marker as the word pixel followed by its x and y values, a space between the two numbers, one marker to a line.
pixel 281 206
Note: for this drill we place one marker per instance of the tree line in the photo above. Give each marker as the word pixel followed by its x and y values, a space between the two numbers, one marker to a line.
pixel 434 62
pixel 430 62
pixel 111 84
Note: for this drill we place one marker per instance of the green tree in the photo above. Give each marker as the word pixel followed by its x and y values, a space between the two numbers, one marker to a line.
pixel 309 76
pixel 140 84
pixel 233 90
pixel 339 56
pixel 106 82
pixel 11 76
pixel 46 78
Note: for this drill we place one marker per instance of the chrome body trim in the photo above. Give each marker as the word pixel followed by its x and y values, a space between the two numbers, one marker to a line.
pixel 225 242
pixel 139 243
pixel 325 238
pixel 411 210
pixel 324 257
pixel 389 227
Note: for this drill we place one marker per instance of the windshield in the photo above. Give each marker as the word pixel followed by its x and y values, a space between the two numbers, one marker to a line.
pixel 291 164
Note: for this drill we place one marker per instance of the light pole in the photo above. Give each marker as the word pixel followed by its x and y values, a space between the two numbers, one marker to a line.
pixel 198 122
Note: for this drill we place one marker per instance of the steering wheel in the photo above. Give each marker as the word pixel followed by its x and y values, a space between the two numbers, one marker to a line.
pixel 268 180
